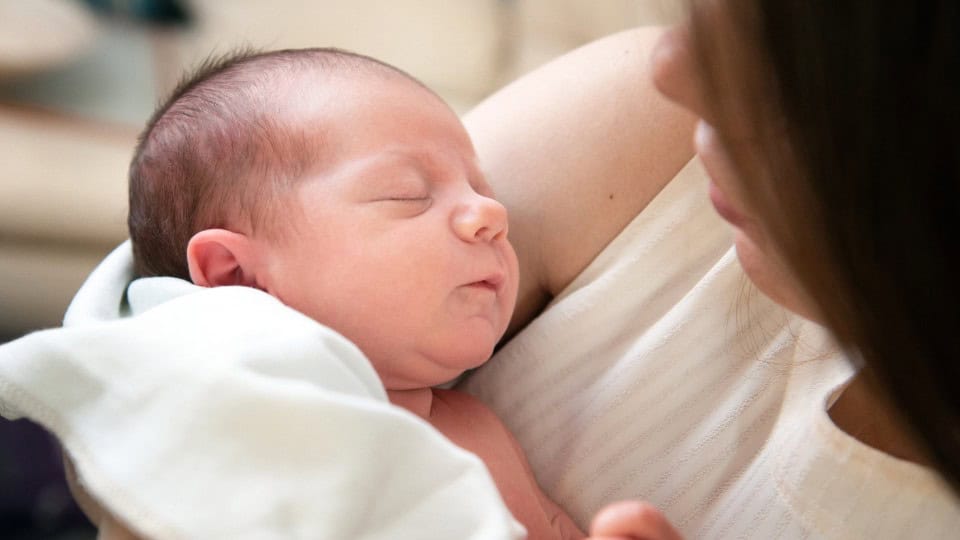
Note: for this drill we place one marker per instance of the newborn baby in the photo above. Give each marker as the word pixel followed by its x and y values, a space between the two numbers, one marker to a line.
pixel 351 192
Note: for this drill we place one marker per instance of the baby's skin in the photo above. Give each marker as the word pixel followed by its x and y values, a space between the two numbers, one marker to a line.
pixel 474 427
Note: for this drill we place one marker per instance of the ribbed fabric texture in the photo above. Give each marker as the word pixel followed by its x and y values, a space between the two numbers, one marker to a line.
pixel 661 374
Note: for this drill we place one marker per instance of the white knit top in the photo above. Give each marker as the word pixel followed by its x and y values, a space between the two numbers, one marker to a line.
pixel 661 374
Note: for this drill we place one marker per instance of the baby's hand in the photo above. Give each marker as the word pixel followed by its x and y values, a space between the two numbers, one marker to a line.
pixel 632 520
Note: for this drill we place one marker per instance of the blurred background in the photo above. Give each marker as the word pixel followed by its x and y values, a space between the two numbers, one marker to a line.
pixel 78 79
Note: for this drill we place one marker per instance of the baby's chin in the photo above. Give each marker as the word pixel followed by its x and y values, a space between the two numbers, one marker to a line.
pixel 435 373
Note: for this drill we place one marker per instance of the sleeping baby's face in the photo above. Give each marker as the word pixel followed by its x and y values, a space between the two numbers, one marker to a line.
pixel 397 242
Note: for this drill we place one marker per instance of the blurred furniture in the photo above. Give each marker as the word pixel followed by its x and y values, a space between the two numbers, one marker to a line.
pixel 75 88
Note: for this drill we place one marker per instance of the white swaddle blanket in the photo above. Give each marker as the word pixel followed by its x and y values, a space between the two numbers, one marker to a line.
pixel 221 413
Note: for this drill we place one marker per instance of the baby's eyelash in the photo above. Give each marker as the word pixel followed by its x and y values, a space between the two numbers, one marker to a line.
pixel 409 199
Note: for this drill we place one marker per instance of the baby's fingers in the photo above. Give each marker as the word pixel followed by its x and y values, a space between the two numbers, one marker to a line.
pixel 634 520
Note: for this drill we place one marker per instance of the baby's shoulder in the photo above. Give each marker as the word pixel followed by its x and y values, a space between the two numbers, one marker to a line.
pixel 460 403
pixel 454 412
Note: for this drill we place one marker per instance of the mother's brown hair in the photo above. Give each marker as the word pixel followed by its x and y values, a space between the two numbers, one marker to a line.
pixel 855 108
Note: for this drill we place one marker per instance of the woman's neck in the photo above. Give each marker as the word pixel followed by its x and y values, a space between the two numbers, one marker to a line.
pixel 866 415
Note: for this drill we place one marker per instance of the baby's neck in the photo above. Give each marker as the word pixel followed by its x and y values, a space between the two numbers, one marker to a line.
pixel 419 401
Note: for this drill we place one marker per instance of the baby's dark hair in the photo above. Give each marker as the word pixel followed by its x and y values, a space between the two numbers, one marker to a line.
pixel 217 150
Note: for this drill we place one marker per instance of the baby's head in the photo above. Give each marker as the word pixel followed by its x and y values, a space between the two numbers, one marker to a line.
pixel 341 186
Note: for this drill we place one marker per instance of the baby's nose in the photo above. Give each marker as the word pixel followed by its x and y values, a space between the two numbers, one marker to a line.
pixel 481 219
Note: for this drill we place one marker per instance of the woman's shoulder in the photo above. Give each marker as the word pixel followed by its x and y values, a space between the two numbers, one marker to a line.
pixel 588 144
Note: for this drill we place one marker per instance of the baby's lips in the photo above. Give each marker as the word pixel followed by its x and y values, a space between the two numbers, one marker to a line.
pixel 493 281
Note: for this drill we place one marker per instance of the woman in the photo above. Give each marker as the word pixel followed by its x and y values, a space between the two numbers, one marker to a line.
pixel 828 132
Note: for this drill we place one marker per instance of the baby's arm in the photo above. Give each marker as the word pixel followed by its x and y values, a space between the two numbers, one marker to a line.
pixel 575 150
pixel 474 427
pixel 623 520
pixel 561 523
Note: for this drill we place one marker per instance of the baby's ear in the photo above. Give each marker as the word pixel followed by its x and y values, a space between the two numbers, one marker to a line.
pixel 218 257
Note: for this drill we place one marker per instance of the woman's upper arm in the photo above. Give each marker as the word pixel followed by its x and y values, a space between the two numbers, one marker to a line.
pixel 575 150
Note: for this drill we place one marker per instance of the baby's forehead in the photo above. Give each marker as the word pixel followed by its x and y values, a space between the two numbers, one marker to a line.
pixel 315 91
pixel 410 129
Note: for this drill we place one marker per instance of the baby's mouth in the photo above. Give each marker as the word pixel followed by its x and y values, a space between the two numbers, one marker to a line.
pixel 484 285
pixel 492 283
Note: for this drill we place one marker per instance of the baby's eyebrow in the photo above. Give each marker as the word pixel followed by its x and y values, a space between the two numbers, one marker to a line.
pixel 410 157
pixel 426 165
pixel 394 159
pixel 381 172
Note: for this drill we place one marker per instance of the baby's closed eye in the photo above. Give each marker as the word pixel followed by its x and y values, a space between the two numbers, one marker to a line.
pixel 406 197
pixel 405 202
pixel 400 188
